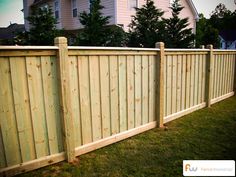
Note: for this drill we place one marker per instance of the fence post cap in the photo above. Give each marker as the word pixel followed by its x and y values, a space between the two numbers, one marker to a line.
pixel 160 45
pixel 60 40
pixel 210 46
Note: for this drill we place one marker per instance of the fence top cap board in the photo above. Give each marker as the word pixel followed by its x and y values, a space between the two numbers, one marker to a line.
pixel 28 47
pixel 185 50
pixel 112 48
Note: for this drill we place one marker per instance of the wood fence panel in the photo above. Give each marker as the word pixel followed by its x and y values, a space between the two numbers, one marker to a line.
pixel 138 91
pixel 130 91
pixel 168 85
pixel 188 80
pixel 105 96
pixel 22 108
pixel 145 116
pixel 152 88
pixel 95 97
pixel 37 106
pixel 84 88
pixel 7 115
pixel 114 94
pixel 178 85
pixel 52 106
pixel 183 86
pixel 75 98
pixel 2 152
pixel 122 93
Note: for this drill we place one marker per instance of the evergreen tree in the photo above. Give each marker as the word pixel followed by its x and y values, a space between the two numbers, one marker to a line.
pixel 95 32
pixel 146 27
pixel 43 27
pixel 177 35
pixel 206 33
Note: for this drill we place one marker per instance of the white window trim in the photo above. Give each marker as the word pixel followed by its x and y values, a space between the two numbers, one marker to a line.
pixel 72 8
pixel 128 5
pixel 59 9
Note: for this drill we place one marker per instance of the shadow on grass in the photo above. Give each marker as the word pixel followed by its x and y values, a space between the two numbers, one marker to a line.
pixel 208 134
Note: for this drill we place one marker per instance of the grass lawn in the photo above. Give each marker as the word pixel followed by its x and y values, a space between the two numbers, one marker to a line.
pixel 207 134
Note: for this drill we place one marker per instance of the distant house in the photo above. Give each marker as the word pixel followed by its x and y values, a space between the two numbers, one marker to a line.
pixel 7 34
pixel 228 39
pixel 121 11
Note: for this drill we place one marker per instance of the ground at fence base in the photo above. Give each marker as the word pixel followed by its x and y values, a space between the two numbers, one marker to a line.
pixel 205 134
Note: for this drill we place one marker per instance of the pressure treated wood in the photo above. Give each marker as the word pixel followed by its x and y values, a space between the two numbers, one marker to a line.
pixel 22 108
pixel 104 94
pixel 160 85
pixel 65 97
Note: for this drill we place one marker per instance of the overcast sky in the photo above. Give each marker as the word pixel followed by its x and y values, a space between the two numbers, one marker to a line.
pixel 10 10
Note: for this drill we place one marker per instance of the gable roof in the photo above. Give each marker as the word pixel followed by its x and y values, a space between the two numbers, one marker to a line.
pixel 228 35
pixel 11 31
pixel 193 8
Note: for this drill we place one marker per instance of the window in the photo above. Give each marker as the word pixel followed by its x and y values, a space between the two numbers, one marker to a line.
pixel 74 8
pixel 56 9
pixel 133 4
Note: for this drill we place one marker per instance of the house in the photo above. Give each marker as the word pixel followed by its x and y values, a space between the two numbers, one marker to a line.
pixel 9 33
pixel 228 39
pixel 121 11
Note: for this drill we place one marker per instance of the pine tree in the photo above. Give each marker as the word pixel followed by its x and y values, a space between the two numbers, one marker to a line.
pixel 43 27
pixel 146 27
pixel 95 32
pixel 177 35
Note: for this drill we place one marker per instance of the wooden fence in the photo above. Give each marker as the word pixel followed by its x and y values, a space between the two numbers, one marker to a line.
pixel 59 102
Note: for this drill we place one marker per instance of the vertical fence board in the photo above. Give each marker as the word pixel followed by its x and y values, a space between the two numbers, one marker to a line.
pixel 130 91
pixel 22 108
pixel 7 116
pixel 203 77
pixel 37 106
pixel 165 86
pixel 233 85
pixel 138 91
pixel 75 97
pixel 199 79
pixel 145 89
pixel 122 93
pixel 51 97
pixel 196 86
pixel 95 97
pixel 174 84
pixel 214 86
pixel 84 88
pixel 228 72
pixel 152 88
pixel 2 152
pixel 192 81
pixel 114 94
pixel 188 81
pixel 183 80
pixel 179 80
pixel 105 95
pixel 168 85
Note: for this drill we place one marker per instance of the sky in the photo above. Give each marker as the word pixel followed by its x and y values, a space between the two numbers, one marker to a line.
pixel 10 10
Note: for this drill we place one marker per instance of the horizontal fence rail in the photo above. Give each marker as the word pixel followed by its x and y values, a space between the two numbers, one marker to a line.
pixel 59 102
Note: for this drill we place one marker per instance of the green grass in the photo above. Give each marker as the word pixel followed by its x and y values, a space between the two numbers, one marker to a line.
pixel 208 134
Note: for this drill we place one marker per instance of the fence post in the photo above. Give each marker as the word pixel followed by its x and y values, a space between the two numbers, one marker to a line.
pixel 160 81
pixel 209 61
pixel 202 47
pixel 65 98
